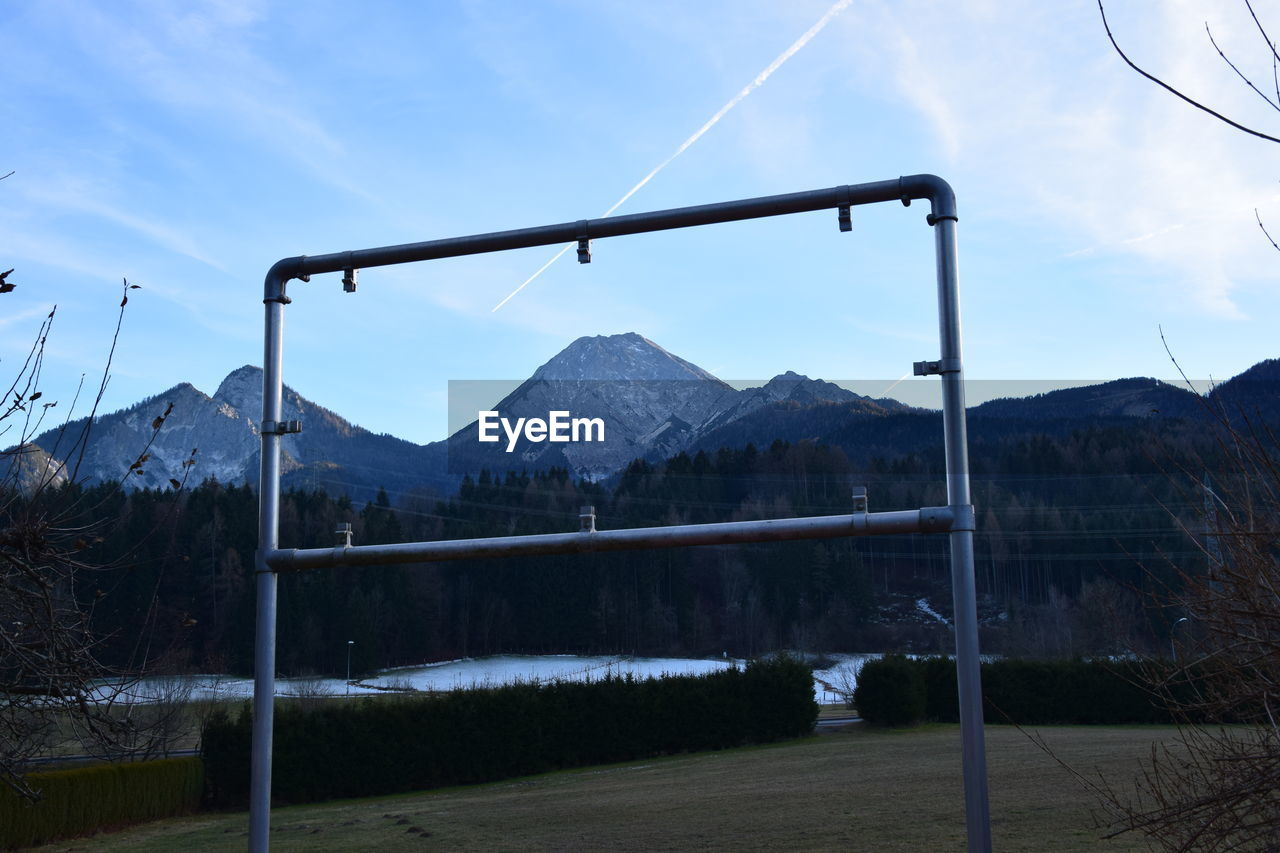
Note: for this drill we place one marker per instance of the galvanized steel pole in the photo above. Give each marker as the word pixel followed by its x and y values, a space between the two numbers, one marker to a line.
pixel 963 592
pixel 264 652
pixel 957 517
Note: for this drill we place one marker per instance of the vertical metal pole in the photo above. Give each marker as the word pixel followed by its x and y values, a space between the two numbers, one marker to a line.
pixel 264 654
pixel 964 595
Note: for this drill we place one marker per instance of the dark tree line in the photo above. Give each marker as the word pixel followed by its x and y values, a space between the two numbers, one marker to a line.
pixel 1066 524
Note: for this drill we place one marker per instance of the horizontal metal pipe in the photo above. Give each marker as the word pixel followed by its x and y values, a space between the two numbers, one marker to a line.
pixel 908 187
pixel 926 520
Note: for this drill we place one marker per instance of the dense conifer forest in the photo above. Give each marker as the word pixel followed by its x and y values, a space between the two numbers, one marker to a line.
pixel 1073 530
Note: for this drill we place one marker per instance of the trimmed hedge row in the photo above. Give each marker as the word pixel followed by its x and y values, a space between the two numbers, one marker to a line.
pixel 891 692
pixel 1013 691
pixel 79 801
pixel 392 745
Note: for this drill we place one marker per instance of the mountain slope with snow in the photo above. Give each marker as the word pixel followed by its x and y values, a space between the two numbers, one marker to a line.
pixel 650 404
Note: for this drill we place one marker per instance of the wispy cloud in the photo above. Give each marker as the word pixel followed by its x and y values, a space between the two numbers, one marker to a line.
pixel 199 58
pixel 1097 153
pixel 72 196
pixel 746 90
pixel 53 251
pixel 917 78
pixel 1127 241
pixel 20 318
pixel 93 267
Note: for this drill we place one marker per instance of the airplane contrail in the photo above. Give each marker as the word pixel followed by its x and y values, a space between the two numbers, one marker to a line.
pixel 901 379
pixel 756 83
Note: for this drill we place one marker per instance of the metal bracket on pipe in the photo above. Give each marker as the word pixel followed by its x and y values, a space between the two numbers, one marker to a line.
pixel 587 519
pixel 349 280
pixel 859 498
pixel 934 220
pixel 584 243
pixel 936 519
pixel 935 368
pixel 963 517
pixel 280 427
pixel 344 534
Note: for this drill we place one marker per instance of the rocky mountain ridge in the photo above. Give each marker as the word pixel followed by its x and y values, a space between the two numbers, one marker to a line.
pixel 651 404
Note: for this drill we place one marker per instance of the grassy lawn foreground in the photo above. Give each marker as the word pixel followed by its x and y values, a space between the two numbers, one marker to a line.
pixel 855 789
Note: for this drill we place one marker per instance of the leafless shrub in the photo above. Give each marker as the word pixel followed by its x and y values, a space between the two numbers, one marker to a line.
pixel 844 681
pixel 1217 787
pixel 401 685
pixel 157 712
pixel 50 677
pixel 309 691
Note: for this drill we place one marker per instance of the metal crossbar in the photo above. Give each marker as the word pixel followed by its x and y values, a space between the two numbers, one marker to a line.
pixel 956 519
pixel 936 519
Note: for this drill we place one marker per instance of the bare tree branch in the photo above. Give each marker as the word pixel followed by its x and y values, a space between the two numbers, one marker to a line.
pixel 1262 30
pixel 1264 229
pixel 1239 73
pixel 53 688
pixel 1275 72
pixel 1217 787
pixel 1106 25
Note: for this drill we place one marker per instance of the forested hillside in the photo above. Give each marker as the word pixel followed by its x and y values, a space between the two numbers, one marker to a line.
pixel 1066 523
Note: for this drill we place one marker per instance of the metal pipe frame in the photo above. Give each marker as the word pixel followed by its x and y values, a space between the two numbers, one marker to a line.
pixel 956 519
pixel 904 189
pixel 927 520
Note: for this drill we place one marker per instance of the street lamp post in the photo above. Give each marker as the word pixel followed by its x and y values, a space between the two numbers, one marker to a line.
pixel 350 643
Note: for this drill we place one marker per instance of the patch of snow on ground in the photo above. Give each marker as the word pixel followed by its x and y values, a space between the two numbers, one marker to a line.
pixel 922 604
pixel 449 675
pixel 830 685
pixel 509 669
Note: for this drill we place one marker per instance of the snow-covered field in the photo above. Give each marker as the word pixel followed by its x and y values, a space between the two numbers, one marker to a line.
pixel 475 672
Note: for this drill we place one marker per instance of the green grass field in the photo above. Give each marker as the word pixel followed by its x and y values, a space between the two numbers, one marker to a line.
pixel 855 789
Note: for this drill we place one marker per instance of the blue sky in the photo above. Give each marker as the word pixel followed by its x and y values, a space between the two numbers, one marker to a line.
pixel 186 146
